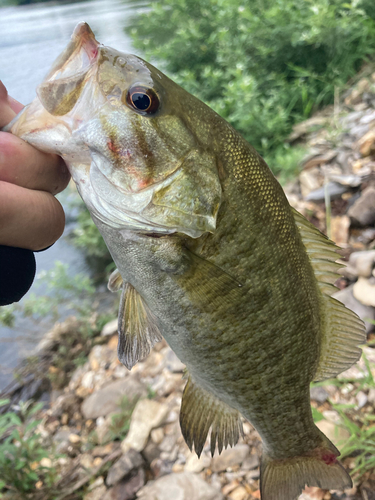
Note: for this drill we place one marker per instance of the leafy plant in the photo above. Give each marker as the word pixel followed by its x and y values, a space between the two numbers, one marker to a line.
pixel 21 451
pixel 121 421
pixel 361 443
pixel 263 65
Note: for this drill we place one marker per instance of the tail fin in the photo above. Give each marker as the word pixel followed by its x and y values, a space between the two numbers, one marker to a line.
pixel 285 479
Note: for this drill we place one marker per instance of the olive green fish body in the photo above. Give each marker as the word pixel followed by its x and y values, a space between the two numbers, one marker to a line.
pixel 209 253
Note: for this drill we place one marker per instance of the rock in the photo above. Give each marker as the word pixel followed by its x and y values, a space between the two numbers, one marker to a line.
pixel 310 180
pixel 363 262
pixel 86 460
pixel 347 180
pixel 151 451
pixel 124 466
pixel 66 403
pixel 250 462
pixel 368 117
pixel 366 144
pixel 96 494
pixel 61 440
pixel 319 394
pixel 335 433
pixel 239 493
pixel 74 438
pixel 107 399
pixel 362 399
pixel 99 481
pixel 340 229
pixel 301 129
pixel 312 493
pixel 103 451
pixel 173 363
pixel 46 462
pixel 102 355
pixel 195 464
pixel 103 429
pixel 230 457
pixel 364 291
pixel 126 489
pixel 110 328
pixel 362 212
pixel 346 297
pixel 371 396
pixel 147 415
pixel 335 190
pixel 181 486
pixel 157 435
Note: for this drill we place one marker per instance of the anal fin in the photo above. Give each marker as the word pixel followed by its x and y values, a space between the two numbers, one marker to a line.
pixel 200 411
pixel 137 328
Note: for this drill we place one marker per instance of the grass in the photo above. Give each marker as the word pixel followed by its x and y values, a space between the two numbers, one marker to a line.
pixel 360 446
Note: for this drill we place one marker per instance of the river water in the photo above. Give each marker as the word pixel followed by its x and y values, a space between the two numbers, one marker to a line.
pixel 31 37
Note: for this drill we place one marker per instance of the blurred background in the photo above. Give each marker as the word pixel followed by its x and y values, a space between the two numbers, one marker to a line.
pixel 297 80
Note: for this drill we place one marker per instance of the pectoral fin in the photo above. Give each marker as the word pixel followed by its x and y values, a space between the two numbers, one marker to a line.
pixel 137 328
pixel 200 411
pixel 115 281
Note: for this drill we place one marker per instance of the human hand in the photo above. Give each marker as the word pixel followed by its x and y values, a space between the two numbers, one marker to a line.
pixel 30 216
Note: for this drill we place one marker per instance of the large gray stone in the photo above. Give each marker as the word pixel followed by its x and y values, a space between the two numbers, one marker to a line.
pixel 230 458
pixel 107 399
pixel 180 486
pixel 362 212
pixel 124 466
pixel 147 415
pixel 126 489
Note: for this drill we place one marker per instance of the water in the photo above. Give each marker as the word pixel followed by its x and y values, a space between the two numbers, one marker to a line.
pixel 31 37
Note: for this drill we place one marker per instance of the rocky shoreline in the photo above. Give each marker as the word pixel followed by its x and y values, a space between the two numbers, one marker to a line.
pixel 114 434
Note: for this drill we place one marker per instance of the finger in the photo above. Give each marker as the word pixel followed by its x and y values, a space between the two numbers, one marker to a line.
pixel 7 113
pixel 29 219
pixel 28 167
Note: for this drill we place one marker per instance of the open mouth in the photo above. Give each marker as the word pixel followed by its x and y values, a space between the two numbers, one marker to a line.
pixel 79 55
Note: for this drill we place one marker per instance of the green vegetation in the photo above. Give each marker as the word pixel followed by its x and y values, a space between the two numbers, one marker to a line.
pixel 87 237
pixel 22 453
pixel 121 421
pixel 262 65
pixel 75 293
pixel 360 425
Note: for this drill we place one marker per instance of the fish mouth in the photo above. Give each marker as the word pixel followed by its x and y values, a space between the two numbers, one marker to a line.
pixel 80 54
pixel 64 84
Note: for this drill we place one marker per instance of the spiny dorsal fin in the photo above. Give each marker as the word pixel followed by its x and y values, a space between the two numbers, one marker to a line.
pixel 342 329
pixel 201 410
pixel 137 330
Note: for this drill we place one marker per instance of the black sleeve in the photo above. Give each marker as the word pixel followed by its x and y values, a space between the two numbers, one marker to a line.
pixel 17 272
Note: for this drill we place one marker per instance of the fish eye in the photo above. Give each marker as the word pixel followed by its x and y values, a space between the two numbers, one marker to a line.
pixel 144 100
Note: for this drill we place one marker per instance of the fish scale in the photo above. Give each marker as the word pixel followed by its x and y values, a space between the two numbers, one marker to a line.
pixel 210 256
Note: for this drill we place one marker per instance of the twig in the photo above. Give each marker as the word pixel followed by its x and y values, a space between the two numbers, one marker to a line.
pixel 327 201
pixel 87 478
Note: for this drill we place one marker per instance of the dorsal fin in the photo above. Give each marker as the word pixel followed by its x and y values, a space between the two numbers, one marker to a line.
pixel 200 411
pixel 322 252
pixel 342 329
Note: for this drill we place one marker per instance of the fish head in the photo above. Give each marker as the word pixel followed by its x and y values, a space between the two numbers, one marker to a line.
pixel 131 137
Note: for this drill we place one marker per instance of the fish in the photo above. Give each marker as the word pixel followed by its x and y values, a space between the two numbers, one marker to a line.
pixel 209 256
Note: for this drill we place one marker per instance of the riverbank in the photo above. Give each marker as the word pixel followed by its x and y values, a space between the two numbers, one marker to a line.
pixel 111 434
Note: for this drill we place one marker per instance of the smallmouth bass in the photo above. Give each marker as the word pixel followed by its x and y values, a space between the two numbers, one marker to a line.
pixel 210 255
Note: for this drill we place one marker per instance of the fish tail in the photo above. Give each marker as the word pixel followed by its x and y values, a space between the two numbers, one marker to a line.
pixel 285 479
